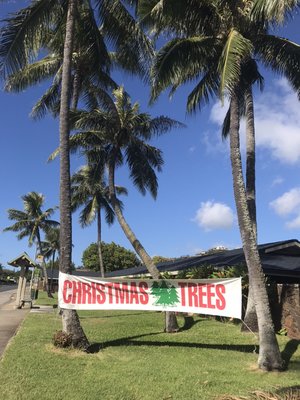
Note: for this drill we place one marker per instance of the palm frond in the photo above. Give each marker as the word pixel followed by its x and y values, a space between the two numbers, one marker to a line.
pixel 47 103
pixel 162 124
pixel 109 213
pixel 91 120
pixel 92 41
pixel 17 215
pixel 32 74
pixel 178 17
pixel 282 56
pixel 274 10
pixel 207 88
pixel 24 33
pixel 94 96
pixel 142 159
pixel 181 60
pixel 121 30
pixel 88 213
pixel 236 50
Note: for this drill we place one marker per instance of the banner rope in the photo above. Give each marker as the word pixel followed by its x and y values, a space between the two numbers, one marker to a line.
pixel 253 333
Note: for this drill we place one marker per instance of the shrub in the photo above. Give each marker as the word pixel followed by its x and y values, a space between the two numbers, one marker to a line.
pixel 62 339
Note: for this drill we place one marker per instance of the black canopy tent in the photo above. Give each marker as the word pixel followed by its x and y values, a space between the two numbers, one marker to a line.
pixel 280 261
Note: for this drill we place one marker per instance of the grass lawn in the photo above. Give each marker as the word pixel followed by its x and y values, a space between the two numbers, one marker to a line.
pixel 135 360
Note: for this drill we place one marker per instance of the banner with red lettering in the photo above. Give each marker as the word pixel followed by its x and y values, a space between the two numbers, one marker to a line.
pixel 221 297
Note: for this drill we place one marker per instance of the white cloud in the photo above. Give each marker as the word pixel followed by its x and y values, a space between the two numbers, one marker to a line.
pixel 277 122
pixel 277 181
pixel 218 112
pixel 294 224
pixel 289 204
pixel 212 215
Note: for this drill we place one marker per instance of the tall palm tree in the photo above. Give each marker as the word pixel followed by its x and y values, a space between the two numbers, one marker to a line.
pixel 21 39
pixel 30 222
pixel 213 47
pixel 120 132
pixel 89 190
pixel 247 110
pixel 52 249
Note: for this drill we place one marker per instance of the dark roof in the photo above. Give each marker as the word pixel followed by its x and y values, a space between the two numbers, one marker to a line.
pixel 280 260
pixel 23 260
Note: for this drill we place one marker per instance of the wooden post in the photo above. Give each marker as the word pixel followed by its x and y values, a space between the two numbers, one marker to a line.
pixel 21 288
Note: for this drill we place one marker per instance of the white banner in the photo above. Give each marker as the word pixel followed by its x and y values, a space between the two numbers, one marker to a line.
pixel 221 297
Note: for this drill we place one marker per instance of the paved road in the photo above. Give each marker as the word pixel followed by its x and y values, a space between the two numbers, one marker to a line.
pixel 10 318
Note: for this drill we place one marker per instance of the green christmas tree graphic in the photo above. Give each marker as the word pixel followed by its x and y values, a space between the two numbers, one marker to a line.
pixel 166 294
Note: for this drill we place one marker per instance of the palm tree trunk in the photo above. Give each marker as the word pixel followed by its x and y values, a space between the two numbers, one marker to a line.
pixel 52 267
pixel 269 355
pixel 250 160
pixel 43 265
pixel 171 324
pixel 250 317
pixel 99 243
pixel 76 90
pixel 70 320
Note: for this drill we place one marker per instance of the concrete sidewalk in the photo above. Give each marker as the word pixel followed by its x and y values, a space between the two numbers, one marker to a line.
pixel 10 320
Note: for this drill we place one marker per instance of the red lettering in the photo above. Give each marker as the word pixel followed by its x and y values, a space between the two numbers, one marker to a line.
pixel 109 290
pixel 121 294
pixel 133 294
pixel 76 295
pixel 144 297
pixel 86 293
pixel 101 297
pixel 93 286
pixel 67 285
pixel 220 302
pixel 202 293
pixel 192 291
pixel 182 286
pixel 210 295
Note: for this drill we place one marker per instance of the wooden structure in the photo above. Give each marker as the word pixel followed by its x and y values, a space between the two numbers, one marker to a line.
pixel 23 293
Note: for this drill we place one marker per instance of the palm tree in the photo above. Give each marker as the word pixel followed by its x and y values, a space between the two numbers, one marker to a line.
pixel 214 48
pixel 91 64
pixel 30 223
pixel 247 110
pixel 120 133
pixel 52 248
pixel 21 39
pixel 89 189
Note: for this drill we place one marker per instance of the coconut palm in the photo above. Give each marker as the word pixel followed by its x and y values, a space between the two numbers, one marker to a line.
pixel 121 133
pixel 27 32
pixel 52 249
pixel 215 54
pixel 91 64
pixel 30 222
pixel 247 111
pixel 89 190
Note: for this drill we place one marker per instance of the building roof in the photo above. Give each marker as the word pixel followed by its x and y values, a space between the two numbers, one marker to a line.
pixel 280 260
pixel 23 260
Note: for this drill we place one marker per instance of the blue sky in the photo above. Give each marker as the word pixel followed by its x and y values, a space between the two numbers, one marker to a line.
pixel 195 208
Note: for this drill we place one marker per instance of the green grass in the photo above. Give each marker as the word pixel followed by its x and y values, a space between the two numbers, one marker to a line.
pixel 135 360
pixel 44 300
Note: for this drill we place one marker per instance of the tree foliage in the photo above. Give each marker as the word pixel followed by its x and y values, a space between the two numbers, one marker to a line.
pixel 115 257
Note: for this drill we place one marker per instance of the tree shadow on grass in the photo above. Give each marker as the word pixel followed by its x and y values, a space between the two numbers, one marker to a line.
pixel 189 322
pixel 290 348
pixel 130 341
pixel 291 392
